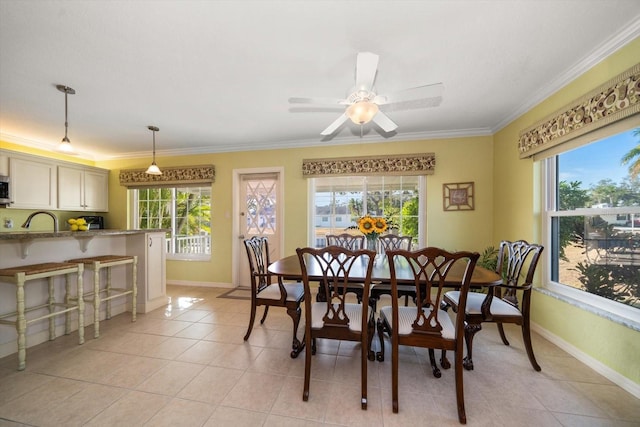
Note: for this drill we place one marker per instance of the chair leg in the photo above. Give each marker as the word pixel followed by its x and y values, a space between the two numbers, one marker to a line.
pixel 380 354
pixel 394 375
pixel 526 337
pixel 371 330
pixel 444 362
pixel 252 318
pixel 434 367
pixel 363 377
pixel 469 331
pixel 296 345
pixel 264 316
pixel 462 417
pixel 502 334
pixel 309 342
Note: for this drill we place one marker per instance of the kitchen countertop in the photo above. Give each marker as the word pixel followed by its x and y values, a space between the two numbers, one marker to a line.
pixel 22 235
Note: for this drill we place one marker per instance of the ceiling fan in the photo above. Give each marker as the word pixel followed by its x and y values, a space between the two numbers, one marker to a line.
pixel 363 104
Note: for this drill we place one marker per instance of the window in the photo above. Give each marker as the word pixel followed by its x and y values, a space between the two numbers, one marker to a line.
pixel 593 223
pixel 337 203
pixel 185 211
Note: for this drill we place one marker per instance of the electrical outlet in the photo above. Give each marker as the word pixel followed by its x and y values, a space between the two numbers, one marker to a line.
pixel 8 223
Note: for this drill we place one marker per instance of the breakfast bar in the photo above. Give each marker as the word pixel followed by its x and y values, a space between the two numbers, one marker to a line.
pixel 24 249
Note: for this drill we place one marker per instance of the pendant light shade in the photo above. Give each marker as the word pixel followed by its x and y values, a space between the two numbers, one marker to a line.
pixel 65 145
pixel 153 169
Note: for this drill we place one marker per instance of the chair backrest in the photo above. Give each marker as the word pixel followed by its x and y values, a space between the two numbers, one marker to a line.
pixel 333 268
pixel 390 242
pixel 258 254
pixel 346 240
pixel 430 270
pixel 512 259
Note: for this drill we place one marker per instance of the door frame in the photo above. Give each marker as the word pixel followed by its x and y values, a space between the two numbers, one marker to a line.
pixel 236 244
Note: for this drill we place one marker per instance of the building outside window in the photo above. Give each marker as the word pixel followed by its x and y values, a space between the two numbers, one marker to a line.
pixel 593 223
pixel 185 211
pixel 338 202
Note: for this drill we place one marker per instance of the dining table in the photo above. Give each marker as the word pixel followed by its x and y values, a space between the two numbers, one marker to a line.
pixel 289 269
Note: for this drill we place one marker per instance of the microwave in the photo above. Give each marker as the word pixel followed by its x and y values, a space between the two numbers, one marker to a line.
pixel 94 222
pixel 4 190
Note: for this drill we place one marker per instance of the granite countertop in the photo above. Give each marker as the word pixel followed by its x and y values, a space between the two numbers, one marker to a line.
pixel 22 235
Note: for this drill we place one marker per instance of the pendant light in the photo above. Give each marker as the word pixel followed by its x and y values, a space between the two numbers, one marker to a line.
pixel 65 145
pixel 153 168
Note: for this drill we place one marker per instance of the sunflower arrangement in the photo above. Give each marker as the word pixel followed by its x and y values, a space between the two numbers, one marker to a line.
pixel 372 227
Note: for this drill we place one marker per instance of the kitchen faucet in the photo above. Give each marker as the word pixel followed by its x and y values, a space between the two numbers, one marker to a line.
pixel 27 223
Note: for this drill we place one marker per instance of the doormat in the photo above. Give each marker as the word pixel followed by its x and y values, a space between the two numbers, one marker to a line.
pixel 237 293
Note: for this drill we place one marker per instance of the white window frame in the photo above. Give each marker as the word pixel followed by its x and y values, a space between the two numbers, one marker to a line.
pixel 135 220
pixel 601 306
pixel 422 211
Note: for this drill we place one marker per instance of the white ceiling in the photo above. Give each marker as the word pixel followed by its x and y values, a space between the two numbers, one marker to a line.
pixel 216 75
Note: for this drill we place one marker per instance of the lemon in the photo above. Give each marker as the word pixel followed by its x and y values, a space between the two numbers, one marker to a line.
pixel 83 227
pixel 81 221
pixel 74 227
pixel 71 221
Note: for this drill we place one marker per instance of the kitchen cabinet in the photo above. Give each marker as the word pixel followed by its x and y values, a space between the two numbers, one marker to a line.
pixel 152 277
pixel 83 189
pixel 33 183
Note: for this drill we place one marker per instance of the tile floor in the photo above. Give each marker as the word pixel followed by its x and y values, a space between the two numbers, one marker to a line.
pixel 187 365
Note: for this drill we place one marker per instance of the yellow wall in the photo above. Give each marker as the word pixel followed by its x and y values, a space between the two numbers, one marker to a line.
pixel 457 160
pixel 516 194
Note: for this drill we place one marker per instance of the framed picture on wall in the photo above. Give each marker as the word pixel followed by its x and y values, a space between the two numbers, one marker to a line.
pixel 458 196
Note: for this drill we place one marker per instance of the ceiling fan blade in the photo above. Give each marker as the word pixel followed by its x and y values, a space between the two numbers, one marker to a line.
pixel 421 92
pixel 322 101
pixel 335 125
pixel 382 120
pixel 366 68
pixel 412 105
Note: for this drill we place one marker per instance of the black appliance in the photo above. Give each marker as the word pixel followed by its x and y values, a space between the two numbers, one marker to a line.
pixel 4 190
pixel 94 222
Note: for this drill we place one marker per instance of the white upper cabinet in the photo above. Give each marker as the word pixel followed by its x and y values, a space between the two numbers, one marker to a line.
pixel 37 182
pixel 83 189
pixel 32 183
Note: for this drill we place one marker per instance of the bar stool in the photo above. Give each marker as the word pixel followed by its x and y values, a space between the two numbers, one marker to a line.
pixel 96 264
pixel 22 274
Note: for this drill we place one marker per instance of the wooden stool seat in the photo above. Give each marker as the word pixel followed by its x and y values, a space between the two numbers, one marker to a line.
pixel 19 276
pixel 98 295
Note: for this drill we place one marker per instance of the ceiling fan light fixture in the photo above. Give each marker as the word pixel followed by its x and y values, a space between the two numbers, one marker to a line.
pixel 153 169
pixel 65 145
pixel 362 112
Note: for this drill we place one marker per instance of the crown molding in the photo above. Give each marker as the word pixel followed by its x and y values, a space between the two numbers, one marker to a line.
pixel 597 55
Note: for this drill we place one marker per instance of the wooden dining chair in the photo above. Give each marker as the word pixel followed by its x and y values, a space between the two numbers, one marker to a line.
pixel 426 325
pixel 268 294
pixel 500 305
pixel 389 242
pixel 335 318
pixel 353 243
pixel 346 240
pixel 386 243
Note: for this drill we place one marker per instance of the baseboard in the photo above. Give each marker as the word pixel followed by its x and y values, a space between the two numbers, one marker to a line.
pixel 200 284
pixel 613 376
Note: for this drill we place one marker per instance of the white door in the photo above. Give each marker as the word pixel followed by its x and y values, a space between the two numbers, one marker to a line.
pixel 259 213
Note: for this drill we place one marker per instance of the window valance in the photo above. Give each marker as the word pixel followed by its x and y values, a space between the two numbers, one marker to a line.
pixel 171 177
pixel 615 100
pixel 402 164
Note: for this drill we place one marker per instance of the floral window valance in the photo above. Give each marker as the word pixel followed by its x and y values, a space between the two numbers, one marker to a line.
pixel 171 176
pixel 406 164
pixel 615 100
